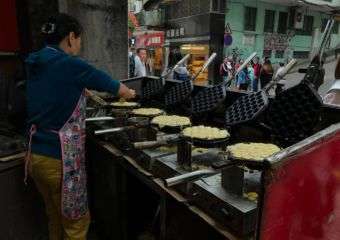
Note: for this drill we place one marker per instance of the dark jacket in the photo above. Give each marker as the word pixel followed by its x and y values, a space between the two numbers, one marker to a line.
pixel 55 83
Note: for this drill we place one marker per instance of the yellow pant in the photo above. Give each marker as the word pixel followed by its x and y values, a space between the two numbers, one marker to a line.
pixel 46 173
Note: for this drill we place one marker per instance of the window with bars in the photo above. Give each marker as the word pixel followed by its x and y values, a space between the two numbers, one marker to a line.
pixel 283 22
pixel 250 18
pixel 267 53
pixel 307 26
pixel 335 29
pixel 300 54
pixel 269 20
pixel 279 53
pixel 218 6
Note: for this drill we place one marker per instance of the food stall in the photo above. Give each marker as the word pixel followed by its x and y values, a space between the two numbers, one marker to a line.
pixel 208 162
pixel 199 54
pixel 229 164
pixel 187 161
pixel 153 41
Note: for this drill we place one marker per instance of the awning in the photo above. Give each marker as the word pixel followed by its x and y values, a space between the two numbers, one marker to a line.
pixel 315 5
pixel 326 6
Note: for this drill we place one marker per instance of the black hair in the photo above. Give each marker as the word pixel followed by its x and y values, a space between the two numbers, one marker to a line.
pixel 140 49
pixel 281 64
pixel 60 26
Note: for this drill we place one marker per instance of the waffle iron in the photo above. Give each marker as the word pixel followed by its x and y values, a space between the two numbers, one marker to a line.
pixel 248 107
pixel 152 88
pixel 178 93
pixel 181 92
pixel 294 113
pixel 208 100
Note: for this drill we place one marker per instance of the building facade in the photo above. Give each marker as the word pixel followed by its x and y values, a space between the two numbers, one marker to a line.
pixel 279 29
pixel 196 27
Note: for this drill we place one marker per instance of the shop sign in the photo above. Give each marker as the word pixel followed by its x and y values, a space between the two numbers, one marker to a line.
pixel 172 33
pixel 176 32
pixel 153 39
pixel 181 31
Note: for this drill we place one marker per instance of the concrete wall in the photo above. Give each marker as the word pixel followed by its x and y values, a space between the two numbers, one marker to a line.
pixel 105 42
pixel 235 17
pixel 32 15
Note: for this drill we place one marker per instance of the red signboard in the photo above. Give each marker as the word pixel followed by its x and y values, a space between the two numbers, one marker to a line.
pixel 150 39
pixel 9 36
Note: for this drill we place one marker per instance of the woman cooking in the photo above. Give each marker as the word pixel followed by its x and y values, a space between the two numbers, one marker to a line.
pixel 57 80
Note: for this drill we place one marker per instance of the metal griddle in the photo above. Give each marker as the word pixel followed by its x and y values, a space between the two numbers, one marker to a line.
pixel 235 212
pixel 154 87
pixel 248 107
pixel 294 114
pixel 208 99
pixel 178 93
pixel 181 92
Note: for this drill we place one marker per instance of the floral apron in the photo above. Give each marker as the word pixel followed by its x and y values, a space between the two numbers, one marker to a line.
pixel 74 202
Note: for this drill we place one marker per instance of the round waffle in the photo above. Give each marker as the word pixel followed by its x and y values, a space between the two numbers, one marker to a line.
pixel 122 104
pixel 252 151
pixel 205 133
pixel 171 121
pixel 147 111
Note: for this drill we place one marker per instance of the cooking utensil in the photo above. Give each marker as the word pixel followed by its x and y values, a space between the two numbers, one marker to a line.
pixel 250 106
pixel 125 107
pixel 204 143
pixel 169 129
pixel 149 116
pixel 134 122
pixel 208 99
pixel 180 62
pixel 181 92
pixel 95 119
pixel 205 66
pixel 155 87
pixel 96 98
pixel 315 72
pixel 231 160
pixel 293 114
pixel 164 140
pixel 188 177
pixel 152 87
